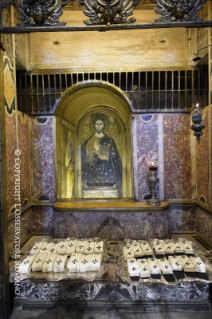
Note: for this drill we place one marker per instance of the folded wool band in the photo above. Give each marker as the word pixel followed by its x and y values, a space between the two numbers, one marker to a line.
pixel 71 247
pixel 38 262
pixel 74 262
pixel 59 264
pixel 85 263
pixel 95 262
pixel 49 262
pixel 98 247
pixel 26 265
pixel 36 248
pixel 48 248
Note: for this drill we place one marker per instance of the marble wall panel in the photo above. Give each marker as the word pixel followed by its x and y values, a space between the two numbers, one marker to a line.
pixel 10 147
pixel 177 159
pixel 39 219
pixel 43 163
pixel 112 226
pixel 204 224
pixel 182 218
pixel 42 220
pixel 202 163
pixel 24 146
pixel 24 231
pixel 147 150
pixel 114 292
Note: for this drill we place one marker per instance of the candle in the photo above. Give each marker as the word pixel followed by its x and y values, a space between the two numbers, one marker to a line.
pixel 153 168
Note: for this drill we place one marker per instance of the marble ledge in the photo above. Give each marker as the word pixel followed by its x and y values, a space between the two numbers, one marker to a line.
pixel 108 205
pixel 165 205
pixel 190 202
pixel 30 205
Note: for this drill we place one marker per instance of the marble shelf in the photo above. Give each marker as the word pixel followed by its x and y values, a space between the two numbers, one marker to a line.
pixel 109 290
pixel 108 205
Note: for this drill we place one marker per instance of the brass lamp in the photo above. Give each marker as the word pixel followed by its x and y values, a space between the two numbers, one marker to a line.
pixel 197 127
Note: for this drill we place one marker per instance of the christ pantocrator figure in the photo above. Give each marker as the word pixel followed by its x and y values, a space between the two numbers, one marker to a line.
pixel 101 163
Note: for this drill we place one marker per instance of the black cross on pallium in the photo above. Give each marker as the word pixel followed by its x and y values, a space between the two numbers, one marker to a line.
pixel 163 259
pixel 199 263
pixel 74 261
pixel 48 261
pixel 26 262
pixel 71 245
pixel 147 249
pixel 187 264
pixel 169 247
pixel 134 268
pixel 44 248
pixel 62 246
pixel 37 261
pixel 159 248
pixel 155 266
pixel 127 247
pixel 80 247
pixel 143 261
pixel 144 269
pixel 99 247
pixel 84 261
pixel 178 247
pixel 89 248
pixel 132 261
pixel 95 261
pixel 59 262
pixel 166 267
pixel 177 264
pixel 36 248
pixel 51 250
pixel 188 248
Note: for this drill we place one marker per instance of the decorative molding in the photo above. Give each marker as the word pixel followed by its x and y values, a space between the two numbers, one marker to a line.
pixel 9 86
pixel 122 26
pixel 183 10
pixel 103 12
pixel 68 125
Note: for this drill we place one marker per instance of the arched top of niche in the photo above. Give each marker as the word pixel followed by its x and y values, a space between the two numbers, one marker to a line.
pixel 79 98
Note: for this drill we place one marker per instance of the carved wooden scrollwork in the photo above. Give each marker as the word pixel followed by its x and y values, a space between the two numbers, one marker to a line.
pixel 38 12
pixel 82 2
pixel 178 10
pixel 7 2
pixel 113 12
